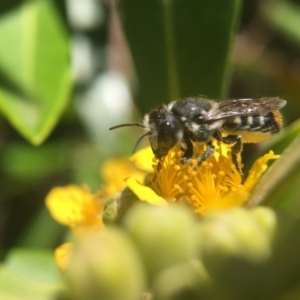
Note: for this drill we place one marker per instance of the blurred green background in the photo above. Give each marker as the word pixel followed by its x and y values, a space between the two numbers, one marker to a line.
pixel 71 69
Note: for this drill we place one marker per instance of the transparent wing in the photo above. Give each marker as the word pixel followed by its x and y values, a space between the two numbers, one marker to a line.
pixel 243 107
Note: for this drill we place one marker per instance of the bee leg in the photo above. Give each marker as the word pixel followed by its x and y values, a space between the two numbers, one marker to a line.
pixel 235 150
pixel 210 149
pixel 188 153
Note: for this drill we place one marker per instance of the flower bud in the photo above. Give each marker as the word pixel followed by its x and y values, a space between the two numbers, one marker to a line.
pixel 164 235
pixel 105 266
pixel 181 281
pixel 266 218
pixel 236 233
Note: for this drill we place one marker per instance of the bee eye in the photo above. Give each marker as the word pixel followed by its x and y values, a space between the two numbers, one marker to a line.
pixel 165 134
pixel 199 119
pixel 169 133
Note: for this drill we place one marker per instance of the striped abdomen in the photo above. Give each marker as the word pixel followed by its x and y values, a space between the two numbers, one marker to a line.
pixel 254 128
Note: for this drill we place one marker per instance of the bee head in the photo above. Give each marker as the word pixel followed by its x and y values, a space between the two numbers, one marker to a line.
pixel 164 130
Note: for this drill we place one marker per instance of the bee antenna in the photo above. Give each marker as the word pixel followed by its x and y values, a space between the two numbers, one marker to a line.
pixel 138 141
pixel 127 124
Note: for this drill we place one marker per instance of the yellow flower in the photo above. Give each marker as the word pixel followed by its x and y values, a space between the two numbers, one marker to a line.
pixel 213 185
pixel 81 211
pixel 78 209
pixel 75 207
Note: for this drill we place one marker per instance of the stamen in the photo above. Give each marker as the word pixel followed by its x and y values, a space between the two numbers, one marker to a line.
pixel 198 185
pixel 226 189
pixel 204 164
pixel 221 173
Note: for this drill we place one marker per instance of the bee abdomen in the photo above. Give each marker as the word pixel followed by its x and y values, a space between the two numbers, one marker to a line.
pixel 268 123
pixel 254 128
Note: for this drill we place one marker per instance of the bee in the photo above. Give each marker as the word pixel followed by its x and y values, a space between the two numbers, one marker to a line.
pixel 200 120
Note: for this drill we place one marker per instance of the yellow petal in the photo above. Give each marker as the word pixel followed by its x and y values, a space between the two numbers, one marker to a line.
pixel 145 193
pixel 113 173
pixel 62 255
pixel 71 204
pixel 233 199
pixel 143 159
pixel 258 168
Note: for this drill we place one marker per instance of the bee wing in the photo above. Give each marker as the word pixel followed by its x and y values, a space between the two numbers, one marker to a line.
pixel 244 107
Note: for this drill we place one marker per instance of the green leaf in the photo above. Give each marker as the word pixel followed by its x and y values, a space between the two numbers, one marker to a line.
pixel 29 274
pixel 34 234
pixel 35 67
pixel 179 48
pixel 26 162
pixel 279 186
pixel 285 17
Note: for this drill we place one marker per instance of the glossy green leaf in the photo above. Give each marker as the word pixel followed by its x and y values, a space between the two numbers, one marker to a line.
pixel 29 274
pixel 34 67
pixel 179 48
pixel 279 187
